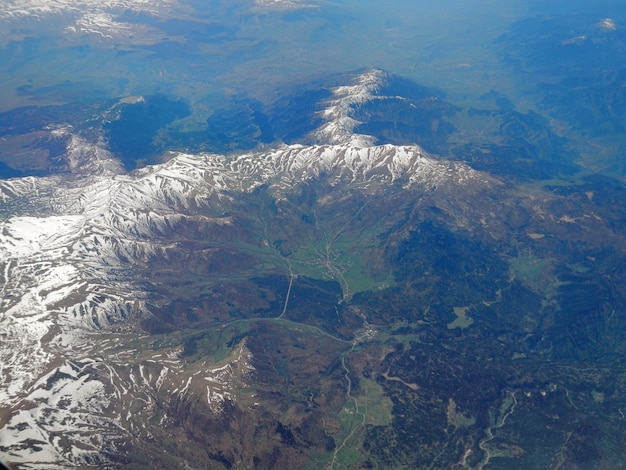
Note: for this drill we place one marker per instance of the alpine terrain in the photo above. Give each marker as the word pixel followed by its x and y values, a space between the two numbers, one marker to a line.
pixel 333 297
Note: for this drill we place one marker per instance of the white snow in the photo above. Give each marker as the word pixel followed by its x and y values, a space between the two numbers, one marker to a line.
pixel 339 126
pixel 39 8
pixel 23 236
pixel 608 24
pixel 285 4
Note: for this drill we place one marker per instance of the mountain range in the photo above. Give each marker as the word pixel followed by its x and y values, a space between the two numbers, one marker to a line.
pixel 330 294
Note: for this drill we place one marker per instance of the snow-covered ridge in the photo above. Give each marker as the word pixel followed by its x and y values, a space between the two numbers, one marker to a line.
pixel 102 24
pixel 339 124
pixel 40 8
pixel 282 168
pixel 100 19
pixel 285 4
